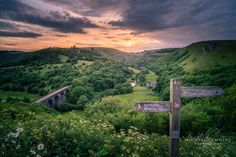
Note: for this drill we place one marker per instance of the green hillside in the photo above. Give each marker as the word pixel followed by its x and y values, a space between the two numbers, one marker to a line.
pixel 209 54
pixel 61 55
pixel 9 56
pixel 110 53
pixel 55 56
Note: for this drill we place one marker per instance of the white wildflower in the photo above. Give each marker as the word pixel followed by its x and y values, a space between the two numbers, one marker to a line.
pixel 40 146
pixel 18 146
pixel 11 134
pixel 16 134
pixel 32 152
pixel 19 129
pixel 38 155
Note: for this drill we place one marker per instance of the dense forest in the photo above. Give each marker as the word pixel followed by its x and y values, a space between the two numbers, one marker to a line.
pixel 97 120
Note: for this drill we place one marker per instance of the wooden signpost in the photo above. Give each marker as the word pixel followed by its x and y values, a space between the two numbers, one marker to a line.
pixel 173 107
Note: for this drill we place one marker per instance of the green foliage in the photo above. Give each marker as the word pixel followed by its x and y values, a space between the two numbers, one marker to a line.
pixel 35 130
pixel 141 76
pixel 108 126
pixel 90 80
pixel 106 106
pixel 78 91
pixel 83 99
pixel 10 56
pixel 100 79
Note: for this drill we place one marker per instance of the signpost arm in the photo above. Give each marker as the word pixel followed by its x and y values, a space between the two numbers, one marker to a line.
pixel 175 105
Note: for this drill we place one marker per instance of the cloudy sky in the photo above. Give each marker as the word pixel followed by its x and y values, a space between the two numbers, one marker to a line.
pixel 128 25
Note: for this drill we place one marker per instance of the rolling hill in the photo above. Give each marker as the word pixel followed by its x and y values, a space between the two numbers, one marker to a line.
pixel 209 54
pixel 8 56
pixel 61 55
pixel 197 56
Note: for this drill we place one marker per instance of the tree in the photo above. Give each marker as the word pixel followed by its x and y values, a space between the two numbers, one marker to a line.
pixel 6 88
pixel 27 100
pixel 33 90
pixel 42 92
pixel 78 91
pixel 118 89
pixel 82 102
pixel 83 99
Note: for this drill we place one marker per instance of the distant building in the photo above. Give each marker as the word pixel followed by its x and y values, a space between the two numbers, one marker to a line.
pixel 133 83
pixel 151 84
pixel 73 47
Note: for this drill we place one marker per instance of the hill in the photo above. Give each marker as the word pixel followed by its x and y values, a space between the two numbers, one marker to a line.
pixel 109 53
pixel 209 54
pixel 8 56
pixel 197 56
pixel 62 55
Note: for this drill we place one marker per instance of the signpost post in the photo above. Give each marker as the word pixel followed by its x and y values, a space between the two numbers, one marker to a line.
pixel 173 107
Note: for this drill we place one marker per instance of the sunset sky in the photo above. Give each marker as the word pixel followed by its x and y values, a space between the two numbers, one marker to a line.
pixel 127 25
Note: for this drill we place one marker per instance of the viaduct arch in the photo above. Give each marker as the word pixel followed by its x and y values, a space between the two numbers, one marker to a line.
pixel 55 98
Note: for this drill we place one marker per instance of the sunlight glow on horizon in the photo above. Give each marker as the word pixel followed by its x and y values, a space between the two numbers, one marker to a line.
pixel 129 26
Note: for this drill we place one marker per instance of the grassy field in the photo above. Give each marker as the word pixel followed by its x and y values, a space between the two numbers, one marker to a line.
pixel 19 95
pixel 139 94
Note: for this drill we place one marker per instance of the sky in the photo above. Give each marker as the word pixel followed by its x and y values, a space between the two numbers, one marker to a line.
pixel 127 25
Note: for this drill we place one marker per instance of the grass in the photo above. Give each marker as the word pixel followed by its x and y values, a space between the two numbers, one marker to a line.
pixel 151 76
pixel 223 55
pixel 136 71
pixel 63 58
pixel 83 62
pixel 139 94
pixel 19 95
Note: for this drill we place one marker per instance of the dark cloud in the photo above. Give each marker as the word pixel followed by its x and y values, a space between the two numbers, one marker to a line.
pixel 6 26
pixel 158 15
pixel 90 8
pixel 61 35
pixel 211 16
pixel 10 44
pixel 59 21
pixel 145 16
pixel 8 29
pixel 19 34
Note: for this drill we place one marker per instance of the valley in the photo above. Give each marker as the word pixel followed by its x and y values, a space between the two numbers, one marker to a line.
pixel 97 120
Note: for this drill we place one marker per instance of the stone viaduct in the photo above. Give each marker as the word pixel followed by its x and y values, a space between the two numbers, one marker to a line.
pixel 55 98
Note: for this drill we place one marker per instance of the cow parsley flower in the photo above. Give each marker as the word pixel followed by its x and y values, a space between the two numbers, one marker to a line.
pixel 11 134
pixel 40 146
pixel 32 152
pixel 16 134
pixel 18 146
pixel 19 129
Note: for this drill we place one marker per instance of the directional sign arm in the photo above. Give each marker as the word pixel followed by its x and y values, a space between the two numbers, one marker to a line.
pixel 151 106
pixel 201 91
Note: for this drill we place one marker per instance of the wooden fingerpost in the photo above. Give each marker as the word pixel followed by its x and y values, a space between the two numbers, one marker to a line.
pixel 175 105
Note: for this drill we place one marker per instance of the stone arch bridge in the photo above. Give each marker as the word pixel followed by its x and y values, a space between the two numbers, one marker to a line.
pixel 55 98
